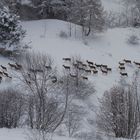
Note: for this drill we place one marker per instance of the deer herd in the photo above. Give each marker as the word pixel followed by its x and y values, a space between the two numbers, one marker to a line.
pixel 90 67
pixel 87 67
pixel 4 70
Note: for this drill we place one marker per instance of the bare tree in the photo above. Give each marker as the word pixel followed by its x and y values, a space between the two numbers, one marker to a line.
pixel 119 111
pixel 46 101
pixel 73 119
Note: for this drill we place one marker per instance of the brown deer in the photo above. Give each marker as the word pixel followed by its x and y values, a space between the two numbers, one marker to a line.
pixel 67 59
pixel 104 71
pixel 109 69
pixel 84 65
pixel 72 75
pixel 4 68
pixel 18 65
pixel 88 71
pixel 121 67
pixel 85 78
pixel 121 63
pixel 54 79
pixel 48 67
pixel 92 67
pixel 136 63
pixel 90 63
pixel 98 65
pixel 12 65
pixel 127 61
pixel 66 67
pixel 95 71
pixel 6 74
pixel 123 74
pixel 104 66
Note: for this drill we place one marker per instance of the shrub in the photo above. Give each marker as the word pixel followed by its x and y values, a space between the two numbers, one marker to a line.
pixel 63 34
pixel 133 40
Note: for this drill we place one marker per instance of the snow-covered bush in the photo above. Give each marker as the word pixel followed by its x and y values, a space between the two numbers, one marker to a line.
pixel 119 111
pixel 11 32
pixel 133 40
pixel 11 108
pixel 63 34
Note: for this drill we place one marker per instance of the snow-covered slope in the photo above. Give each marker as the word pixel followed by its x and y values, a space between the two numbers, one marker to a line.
pixel 113 5
pixel 21 134
pixel 108 48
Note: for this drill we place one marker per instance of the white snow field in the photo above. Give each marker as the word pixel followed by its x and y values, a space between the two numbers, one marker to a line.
pixel 21 134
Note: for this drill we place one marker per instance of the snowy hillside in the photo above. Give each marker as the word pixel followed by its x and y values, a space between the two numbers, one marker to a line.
pixel 107 48
pixel 110 47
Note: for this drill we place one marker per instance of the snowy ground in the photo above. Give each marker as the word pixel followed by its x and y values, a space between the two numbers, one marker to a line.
pixel 21 134
pixel 108 48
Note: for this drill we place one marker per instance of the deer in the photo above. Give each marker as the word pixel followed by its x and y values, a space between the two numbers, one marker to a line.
pixel 72 75
pixel 6 74
pixel 121 63
pixel 4 68
pixel 85 78
pixel 88 71
pixel 136 63
pixel 104 66
pixel 17 68
pixel 92 67
pixel 98 65
pixel 84 65
pixel 123 74
pixel 108 69
pixel 104 71
pixel 54 79
pixel 90 63
pixel 12 65
pixel 127 61
pixel 94 71
pixel 18 65
pixel 121 67
pixel 48 67
pixel 67 59
pixel 66 67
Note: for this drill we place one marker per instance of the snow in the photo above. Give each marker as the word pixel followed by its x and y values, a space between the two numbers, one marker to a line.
pixel 113 5
pixel 108 47
pixel 21 134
